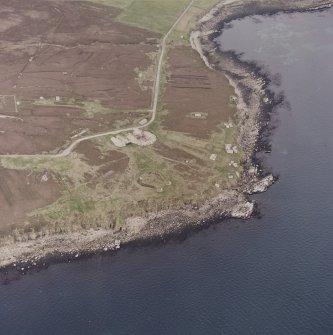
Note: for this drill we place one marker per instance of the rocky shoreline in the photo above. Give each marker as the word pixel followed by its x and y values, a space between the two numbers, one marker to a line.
pixel 255 102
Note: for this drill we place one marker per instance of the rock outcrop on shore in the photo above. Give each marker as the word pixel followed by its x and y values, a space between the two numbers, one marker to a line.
pixel 254 101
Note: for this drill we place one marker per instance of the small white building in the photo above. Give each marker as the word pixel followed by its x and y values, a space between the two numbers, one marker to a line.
pixel 213 157
pixel 143 122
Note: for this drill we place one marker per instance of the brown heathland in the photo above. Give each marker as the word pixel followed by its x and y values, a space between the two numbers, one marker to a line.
pixel 74 51
pixel 193 89
pixel 70 69
pixel 21 192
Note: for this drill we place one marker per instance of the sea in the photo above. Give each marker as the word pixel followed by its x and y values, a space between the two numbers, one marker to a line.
pixel 269 275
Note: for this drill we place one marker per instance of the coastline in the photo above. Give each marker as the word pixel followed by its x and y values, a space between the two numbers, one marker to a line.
pixel 252 90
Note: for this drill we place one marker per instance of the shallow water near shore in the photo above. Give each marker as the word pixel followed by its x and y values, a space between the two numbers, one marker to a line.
pixel 267 276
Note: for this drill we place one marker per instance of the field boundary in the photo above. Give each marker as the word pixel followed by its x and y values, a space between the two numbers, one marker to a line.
pixel 156 92
pixel 3 97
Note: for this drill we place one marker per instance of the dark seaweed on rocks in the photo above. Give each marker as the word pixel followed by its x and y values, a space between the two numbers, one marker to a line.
pixel 223 19
pixel 254 86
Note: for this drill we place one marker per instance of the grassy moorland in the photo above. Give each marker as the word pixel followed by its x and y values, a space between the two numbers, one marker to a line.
pixel 159 15
pixel 102 184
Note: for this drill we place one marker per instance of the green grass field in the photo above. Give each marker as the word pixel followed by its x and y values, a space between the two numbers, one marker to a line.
pixel 159 15
pixel 113 3
pixel 92 199
pixel 155 15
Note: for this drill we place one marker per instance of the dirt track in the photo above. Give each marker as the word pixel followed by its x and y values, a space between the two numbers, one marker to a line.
pixel 231 203
pixel 43 128
pixel 73 50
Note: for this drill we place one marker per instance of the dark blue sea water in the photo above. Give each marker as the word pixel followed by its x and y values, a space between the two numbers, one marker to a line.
pixel 267 276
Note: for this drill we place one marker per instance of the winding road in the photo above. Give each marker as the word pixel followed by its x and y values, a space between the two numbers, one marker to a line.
pixel 156 92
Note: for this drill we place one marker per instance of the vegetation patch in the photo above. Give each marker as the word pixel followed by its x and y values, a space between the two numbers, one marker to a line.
pixel 113 3
pixel 70 168
pixel 196 121
pixel 155 15
pixel 93 107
